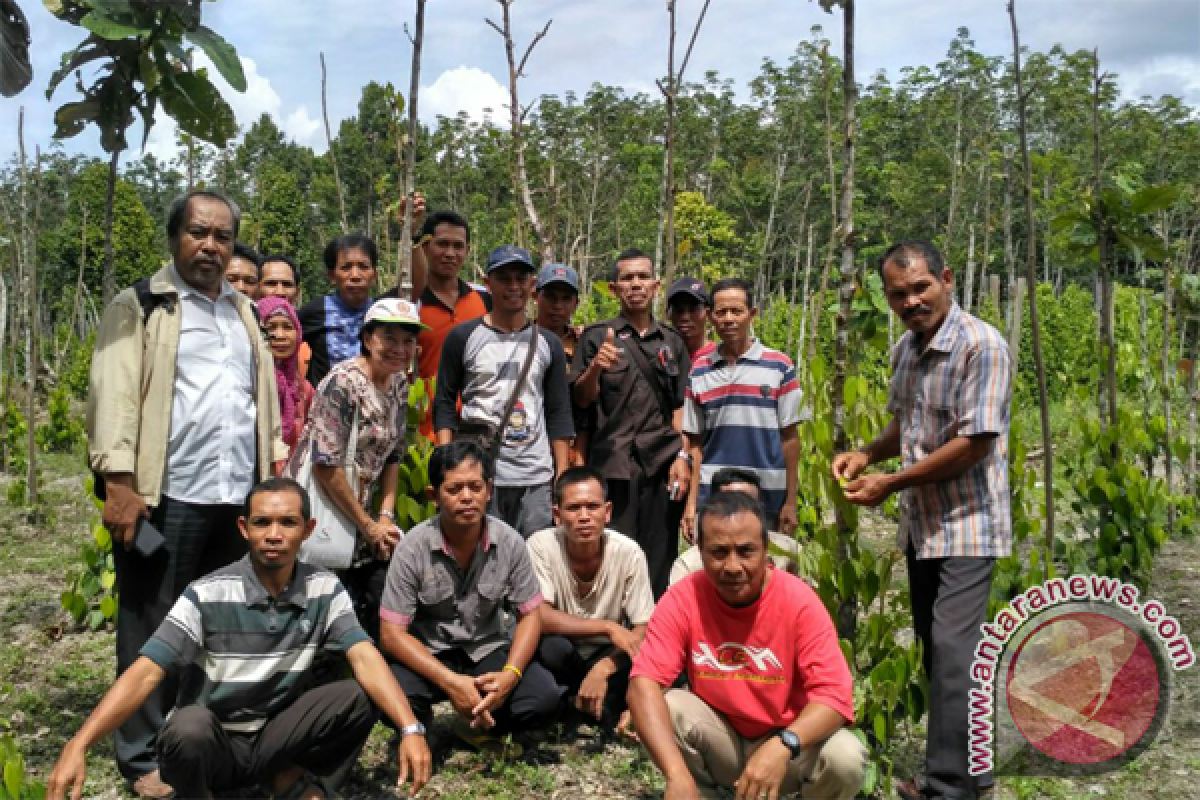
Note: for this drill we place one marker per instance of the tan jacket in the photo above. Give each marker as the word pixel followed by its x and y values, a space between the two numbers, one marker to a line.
pixel 132 388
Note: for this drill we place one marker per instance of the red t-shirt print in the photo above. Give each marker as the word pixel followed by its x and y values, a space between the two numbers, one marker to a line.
pixel 759 666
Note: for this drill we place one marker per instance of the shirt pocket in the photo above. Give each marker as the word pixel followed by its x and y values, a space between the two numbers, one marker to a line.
pixel 939 408
pixel 492 593
pixel 436 594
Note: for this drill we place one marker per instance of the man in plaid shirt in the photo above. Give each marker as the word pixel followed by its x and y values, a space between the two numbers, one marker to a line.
pixel 949 400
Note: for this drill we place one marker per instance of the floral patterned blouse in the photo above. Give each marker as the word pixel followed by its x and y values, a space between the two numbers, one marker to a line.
pixel 382 418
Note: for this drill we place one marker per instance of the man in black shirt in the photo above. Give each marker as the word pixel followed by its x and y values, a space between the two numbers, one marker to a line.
pixel 631 371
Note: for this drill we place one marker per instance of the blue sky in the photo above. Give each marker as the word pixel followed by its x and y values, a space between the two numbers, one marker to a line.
pixel 1153 45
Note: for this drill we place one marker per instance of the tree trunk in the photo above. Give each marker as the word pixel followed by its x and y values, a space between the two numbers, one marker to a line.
pixel 1193 415
pixel 969 284
pixel 516 116
pixel 1106 240
pixel 985 260
pixel 804 298
pixel 404 267
pixel 833 192
pixel 1031 277
pixel 847 619
pixel 337 180
pixel 1010 259
pixel 109 281
pixel 1167 373
pixel 765 256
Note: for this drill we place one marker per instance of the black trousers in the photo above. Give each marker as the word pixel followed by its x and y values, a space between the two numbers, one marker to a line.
pixel 949 604
pixel 534 704
pixel 323 729
pixel 559 655
pixel 199 539
pixel 365 584
pixel 643 511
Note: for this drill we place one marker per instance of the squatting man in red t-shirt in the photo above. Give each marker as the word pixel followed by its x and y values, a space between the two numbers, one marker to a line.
pixel 770 694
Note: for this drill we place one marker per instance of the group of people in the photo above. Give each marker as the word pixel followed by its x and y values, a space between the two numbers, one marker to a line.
pixel 567 464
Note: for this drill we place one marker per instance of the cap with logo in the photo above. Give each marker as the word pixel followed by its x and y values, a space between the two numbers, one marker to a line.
pixel 396 311
pixel 692 287
pixel 558 273
pixel 509 254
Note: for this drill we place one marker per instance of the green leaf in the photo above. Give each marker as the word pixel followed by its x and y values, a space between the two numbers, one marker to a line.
pixel 222 54
pixel 1153 198
pixel 108 607
pixel 194 103
pixel 108 580
pixel 880 725
pixel 71 118
pixel 108 28
pixel 14 776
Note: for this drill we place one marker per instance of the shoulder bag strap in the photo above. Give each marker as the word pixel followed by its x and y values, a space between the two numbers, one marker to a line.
pixel 639 358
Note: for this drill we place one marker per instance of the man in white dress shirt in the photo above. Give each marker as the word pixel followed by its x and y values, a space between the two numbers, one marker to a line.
pixel 183 419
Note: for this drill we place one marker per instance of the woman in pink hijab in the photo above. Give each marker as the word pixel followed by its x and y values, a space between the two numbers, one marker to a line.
pixel 295 393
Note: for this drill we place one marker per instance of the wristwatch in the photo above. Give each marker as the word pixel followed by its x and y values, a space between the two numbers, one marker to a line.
pixel 389 514
pixel 791 741
pixel 416 729
pixel 685 455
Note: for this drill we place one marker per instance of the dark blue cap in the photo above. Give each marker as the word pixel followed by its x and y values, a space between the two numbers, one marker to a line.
pixel 557 273
pixel 692 287
pixel 509 254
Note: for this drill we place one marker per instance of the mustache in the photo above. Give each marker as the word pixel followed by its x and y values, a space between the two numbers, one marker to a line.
pixel 921 309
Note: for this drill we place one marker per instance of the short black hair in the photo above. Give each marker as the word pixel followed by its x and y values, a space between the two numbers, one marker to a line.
pixel 733 283
pixel 727 476
pixel 451 456
pixel 350 241
pixel 452 218
pixel 574 475
pixel 286 260
pixel 279 484
pixel 728 504
pixel 179 208
pixel 629 255
pixel 250 254
pixel 910 251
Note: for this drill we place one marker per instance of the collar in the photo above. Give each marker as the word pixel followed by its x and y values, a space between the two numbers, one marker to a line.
pixel 336 299
pixel 187 290
pixel 755 353
pixel 295 593
pixel 439 542
pixel 428 296
pixel 620 322
pixel 943 341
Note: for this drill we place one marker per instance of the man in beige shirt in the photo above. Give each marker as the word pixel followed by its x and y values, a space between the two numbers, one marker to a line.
pixel 598 599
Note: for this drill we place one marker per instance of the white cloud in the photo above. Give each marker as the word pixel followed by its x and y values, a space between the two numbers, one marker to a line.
pixel 301 126
pixel 463 88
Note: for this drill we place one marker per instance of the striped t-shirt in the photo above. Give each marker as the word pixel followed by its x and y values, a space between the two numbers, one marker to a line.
pixel 480 366
pixel 740 410
pixel 252 650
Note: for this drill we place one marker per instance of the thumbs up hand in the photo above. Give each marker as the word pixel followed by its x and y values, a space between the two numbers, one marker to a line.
pixel 608 356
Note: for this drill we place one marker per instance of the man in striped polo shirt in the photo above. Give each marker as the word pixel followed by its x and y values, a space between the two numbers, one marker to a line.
pixel 248 634
pixel 742 407
pixel 950 395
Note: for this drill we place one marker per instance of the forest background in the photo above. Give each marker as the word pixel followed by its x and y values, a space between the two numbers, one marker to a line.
pixel 1047 177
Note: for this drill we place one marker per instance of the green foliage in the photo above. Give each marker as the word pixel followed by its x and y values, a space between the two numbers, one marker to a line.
pixel 91 594
pixel 413 504
pixel 709 245
pixel 64 432
pixel 15 784
pixel 76 370
pixel 1069 326
pixel 143 64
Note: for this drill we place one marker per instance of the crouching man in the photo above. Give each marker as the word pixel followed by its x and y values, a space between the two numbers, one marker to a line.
pixel 770 693
pixel 251 631
pixel 598 597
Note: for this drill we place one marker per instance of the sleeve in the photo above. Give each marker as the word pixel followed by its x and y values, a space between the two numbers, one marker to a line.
pixel 450 378
pixel 893 399
pixel 559 422
pixel 820 664
pixel 663 653
pixel 311 316
pixel 679 386
pixel 789 402
pixel 399 602
pixel 332 420
pixel 524 593
pixel 179 639
pixel 639 597
pixel 114 388
pixel 585 351
pixel 983 397
pixel 693 412
pixel 342 629
pixel 540 557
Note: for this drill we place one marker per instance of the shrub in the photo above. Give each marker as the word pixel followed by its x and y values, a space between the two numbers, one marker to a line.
pixel 63 433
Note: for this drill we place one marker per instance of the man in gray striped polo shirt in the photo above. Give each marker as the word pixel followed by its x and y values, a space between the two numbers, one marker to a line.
pixel 250 631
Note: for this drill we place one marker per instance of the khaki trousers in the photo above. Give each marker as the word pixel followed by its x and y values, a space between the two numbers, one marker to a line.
pixel 716 754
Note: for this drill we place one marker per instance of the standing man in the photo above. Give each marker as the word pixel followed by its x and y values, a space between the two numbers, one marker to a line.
pixel 556 295
pixel 443 613
pixel 769 694
pixel 182 416
pixel 950 395
pixel 527 423
pixel 331 324
pixel 687 309
pixel 244 272
pixel 631 372
pixel 598 598
pixel 743 405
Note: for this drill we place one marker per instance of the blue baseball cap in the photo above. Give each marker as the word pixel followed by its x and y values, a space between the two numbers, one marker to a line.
pixel 690 287
pixel 508 254
pixel 557 273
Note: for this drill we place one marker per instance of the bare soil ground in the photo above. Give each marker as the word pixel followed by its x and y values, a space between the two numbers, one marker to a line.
pixel 52 675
